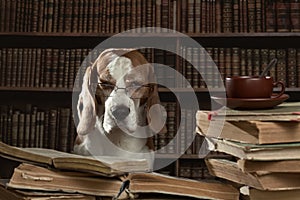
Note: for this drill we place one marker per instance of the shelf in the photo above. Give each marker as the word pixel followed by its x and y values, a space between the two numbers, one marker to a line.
pixel 152 34
pixel 162 90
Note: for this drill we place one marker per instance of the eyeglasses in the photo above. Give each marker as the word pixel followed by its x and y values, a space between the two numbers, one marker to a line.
pixel 134 91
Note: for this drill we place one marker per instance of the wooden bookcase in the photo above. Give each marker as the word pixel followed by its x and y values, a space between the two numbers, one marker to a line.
pixel 166 13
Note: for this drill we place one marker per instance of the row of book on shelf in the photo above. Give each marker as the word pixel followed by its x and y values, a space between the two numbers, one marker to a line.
pixel 196 16
pixel 54 128
pixel 264 145
pixel 60 68
pixel 44 67
pixel 34 127
pixel 234 16
pixel 215 64
pixel 84 16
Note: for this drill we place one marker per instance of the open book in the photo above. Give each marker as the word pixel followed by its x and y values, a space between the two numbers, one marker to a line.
pixel 105 165
pixel 27 176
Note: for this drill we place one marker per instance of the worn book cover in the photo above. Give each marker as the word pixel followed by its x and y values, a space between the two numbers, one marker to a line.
pixel 31 177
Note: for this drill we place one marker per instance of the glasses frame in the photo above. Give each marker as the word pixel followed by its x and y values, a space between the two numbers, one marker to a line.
pixel 116 88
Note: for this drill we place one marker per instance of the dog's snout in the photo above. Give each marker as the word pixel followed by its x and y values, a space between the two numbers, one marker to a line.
pixel 120 112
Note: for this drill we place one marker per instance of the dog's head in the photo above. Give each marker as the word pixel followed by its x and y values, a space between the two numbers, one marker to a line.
pixel 119 87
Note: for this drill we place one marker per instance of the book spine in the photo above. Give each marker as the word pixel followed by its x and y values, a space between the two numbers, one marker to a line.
pixel 52 128
pixel 14 133
pixel 195 74
pixel 66 68
pixel 183 14
pixel 222 63
pixel 272 55
pixel 249 61
pixel 104 16
pixel 61 16
pixel 281 65
pixel 228 62
pixel 14 69
pixel 21 124
pixel 75 17
pixel 9 125
pixel 55 19
pixel 7 16
pixel 190 16
pixel 258 16
pixel 251 16
pixel 19 67
pixel 291 68
pixel 295 15
pixel 264 58
pixel 227 16
pixel 216 76
pixel 72 68
pixel 96 16
pixel 204 16
pixel 24 67
pixel 54 68
pixel 236 16
pixel 243 62
pixel 256 68
pixel 236 62
pixel 90 24
pixel 48 67
pixel 13 13
pixel 282 16
pixel 209 68
pixel 2 16
pixel 68 16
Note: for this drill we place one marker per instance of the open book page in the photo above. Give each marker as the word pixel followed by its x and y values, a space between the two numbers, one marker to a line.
pixel 108 165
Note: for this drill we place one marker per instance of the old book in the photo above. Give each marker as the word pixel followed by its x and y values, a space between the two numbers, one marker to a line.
pixel 289 166
pixel 291 68
pixel 256 194
pixel 32 177
pixel 263 152
pixel 263 181
pixel 283 16
pixel 255 132
pixel 270 16
pixel 14 194
pixel 105 165
pixel 295 15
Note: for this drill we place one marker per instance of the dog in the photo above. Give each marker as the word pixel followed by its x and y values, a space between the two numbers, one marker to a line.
pixel 118 107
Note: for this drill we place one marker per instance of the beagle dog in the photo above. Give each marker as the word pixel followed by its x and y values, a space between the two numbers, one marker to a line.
pixel 118 107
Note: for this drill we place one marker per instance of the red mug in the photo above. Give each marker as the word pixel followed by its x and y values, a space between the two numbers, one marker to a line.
pixel 252 87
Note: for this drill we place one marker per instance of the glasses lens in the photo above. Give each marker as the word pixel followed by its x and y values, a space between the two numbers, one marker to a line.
pixel 138 92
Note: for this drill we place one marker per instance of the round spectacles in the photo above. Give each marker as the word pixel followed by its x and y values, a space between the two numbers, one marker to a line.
pixel 134 91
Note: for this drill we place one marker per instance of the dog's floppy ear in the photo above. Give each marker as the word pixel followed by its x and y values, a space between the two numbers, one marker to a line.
pixel 86 107
pixel 155 114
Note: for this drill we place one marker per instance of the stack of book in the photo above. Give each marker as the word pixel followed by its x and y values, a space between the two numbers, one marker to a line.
pixel 265 147
pixel 45 174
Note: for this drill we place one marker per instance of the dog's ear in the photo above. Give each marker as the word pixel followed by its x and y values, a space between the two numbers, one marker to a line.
pixel 86 107
pixel 155 114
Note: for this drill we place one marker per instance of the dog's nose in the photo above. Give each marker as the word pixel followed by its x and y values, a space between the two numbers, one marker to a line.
pixel 120 112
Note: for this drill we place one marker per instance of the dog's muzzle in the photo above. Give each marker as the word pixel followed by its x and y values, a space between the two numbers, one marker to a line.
pixel 120 112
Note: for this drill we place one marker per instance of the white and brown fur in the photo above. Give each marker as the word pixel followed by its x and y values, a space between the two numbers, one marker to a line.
pixel 99 132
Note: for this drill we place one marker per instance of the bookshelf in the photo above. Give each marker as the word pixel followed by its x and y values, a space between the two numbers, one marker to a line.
pixel 79 31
